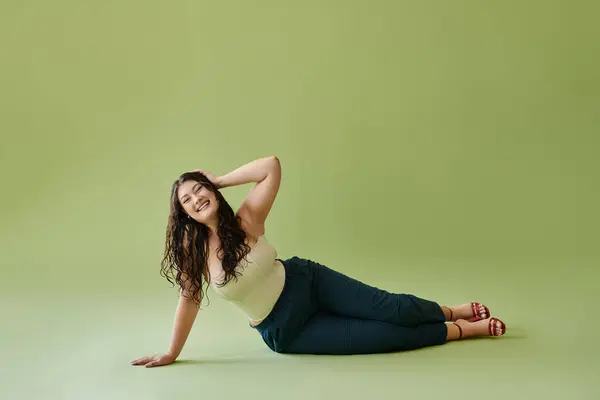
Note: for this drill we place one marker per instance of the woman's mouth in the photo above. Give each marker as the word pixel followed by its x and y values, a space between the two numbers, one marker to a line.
pixel 203 205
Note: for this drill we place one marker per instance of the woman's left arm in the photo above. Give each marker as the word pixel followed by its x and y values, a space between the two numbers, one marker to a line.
pixel 266 172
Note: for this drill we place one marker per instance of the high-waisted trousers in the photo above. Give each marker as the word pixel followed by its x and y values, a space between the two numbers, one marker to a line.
pixel 322 311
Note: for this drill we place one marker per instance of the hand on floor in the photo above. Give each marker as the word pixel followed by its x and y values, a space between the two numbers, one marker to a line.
pixel 154 361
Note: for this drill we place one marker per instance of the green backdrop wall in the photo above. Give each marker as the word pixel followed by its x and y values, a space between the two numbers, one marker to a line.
pixel 444 148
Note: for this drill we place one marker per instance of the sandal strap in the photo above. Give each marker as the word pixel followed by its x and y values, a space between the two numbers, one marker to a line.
pixel 459 330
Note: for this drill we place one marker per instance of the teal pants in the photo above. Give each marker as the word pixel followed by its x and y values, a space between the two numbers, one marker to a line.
pixel 322 311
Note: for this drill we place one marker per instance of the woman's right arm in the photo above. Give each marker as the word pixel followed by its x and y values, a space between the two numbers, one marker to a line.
pixel 185 315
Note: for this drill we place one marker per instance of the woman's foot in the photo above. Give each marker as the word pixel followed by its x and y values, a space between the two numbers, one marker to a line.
pixel 470 311
pixel 485 327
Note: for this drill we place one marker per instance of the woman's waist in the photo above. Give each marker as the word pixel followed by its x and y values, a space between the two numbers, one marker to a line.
pixel 260 300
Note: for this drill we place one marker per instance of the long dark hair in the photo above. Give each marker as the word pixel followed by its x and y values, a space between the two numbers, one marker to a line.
pixel 185 254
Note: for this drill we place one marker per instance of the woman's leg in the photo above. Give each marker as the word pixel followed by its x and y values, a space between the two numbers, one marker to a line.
pixel 343 295
pixel 335 334
pixel 326 333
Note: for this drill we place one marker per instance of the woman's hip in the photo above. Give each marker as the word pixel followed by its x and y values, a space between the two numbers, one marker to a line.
pixel 293 308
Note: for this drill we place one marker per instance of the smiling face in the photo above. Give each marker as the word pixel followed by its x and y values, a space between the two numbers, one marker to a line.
pixel 198 201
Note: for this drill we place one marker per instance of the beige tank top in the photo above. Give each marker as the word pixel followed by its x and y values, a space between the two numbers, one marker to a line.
pixel 257 289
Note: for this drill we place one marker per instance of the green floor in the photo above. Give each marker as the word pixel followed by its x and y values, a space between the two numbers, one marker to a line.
pixel 76 345
pixel 445 149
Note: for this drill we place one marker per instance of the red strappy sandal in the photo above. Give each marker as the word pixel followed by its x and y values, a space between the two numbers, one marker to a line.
pixel 491 328
pixel 492 325
pixel 476 314
pixel 479 315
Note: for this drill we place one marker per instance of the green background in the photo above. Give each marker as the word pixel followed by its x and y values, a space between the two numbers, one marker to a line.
pixel 443 148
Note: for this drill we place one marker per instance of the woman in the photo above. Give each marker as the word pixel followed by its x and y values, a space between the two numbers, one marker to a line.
pixel 296 305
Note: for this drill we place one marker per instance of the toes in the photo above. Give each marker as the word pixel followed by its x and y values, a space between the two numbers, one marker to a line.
pixel 497 328
pixel 483 312
pixel 478 311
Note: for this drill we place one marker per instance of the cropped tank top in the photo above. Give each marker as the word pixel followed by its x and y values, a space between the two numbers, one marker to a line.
pixel 259 284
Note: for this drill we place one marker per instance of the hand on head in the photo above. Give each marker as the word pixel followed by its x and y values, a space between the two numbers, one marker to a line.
pixel 214 179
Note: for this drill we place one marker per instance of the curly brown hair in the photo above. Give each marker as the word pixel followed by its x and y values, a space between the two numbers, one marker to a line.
pixel 185 255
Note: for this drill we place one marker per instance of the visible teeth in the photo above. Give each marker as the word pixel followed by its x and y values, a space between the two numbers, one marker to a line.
pixel 203 206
